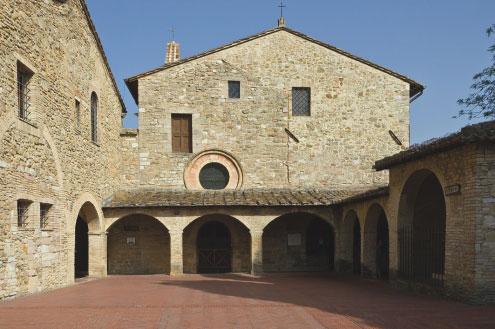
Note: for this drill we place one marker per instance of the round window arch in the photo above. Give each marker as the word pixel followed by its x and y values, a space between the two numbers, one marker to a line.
pixel 214 176
pixel 213 170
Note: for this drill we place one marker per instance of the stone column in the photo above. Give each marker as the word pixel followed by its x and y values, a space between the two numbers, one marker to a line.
pixel 176 257
pixel 256 252
pixel 97 254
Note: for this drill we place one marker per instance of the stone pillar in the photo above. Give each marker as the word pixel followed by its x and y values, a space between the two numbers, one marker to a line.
pixel 97 254
pixel 256 252
pixel 176 257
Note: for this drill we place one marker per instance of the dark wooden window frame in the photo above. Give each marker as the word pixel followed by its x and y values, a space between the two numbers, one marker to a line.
pixel 181 133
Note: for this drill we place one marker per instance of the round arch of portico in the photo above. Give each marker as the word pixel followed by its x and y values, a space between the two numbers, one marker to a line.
pixel 86 199
pixel 177 220
pixel 374 213
pixel 408 184
pixel 324 215
pixel 239 235
pixel 346 261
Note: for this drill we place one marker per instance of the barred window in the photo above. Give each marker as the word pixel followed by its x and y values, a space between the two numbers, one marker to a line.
pixel 44 215
pixel 24 75
pixel 301 101
pixel 22 212
pixel 94 117
pixel 234 89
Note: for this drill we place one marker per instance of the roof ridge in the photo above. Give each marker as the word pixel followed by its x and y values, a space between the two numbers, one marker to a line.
pixel 416 87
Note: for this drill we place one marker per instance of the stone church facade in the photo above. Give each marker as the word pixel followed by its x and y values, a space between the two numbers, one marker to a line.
pixel 275 153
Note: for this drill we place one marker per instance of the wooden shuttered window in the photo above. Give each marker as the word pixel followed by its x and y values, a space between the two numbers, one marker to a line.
pixel 182 133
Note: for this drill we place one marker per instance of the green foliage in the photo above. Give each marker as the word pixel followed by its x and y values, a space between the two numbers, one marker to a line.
pixel 481 102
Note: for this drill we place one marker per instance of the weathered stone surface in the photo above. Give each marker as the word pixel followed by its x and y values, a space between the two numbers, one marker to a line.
pixel 51 159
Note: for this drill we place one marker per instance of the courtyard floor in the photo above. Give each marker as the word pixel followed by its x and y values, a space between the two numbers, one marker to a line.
pixel 238 301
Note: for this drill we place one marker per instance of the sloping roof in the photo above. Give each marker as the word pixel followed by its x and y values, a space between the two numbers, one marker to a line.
pixel 102 52
pixel 131 82
pixel 367 195
pixel 477 133
pixel 144 198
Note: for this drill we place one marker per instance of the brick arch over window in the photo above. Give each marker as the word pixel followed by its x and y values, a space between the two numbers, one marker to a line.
pixel 422 229
pixel 202 159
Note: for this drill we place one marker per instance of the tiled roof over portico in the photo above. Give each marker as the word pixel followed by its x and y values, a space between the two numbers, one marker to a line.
pixel 142 198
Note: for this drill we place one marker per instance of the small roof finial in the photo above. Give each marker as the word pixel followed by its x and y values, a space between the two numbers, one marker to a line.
pixel 172 33
pixel 281 20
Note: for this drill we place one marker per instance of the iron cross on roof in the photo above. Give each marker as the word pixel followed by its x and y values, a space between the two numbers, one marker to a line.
pixel 282 6
pixel 172 33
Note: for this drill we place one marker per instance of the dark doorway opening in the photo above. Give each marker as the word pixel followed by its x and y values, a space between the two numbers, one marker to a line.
pixel 422 230
pixel 81 259
pixel 382 245
pixel 356 249
pixel 214 248
pixel 320 243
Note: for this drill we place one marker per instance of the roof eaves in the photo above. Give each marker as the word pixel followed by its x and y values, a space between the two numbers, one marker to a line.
pixel 102 52
pixel 476 133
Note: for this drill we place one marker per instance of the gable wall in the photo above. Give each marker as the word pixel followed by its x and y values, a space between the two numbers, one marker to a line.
pixel 353 107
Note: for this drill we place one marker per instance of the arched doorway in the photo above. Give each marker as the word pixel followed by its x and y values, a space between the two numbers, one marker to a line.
pixel 298 242
pixel 422 223
pixel 87 260
pixel 350 241
pixel 214 248
pixel 376 243
pixel 216 243
pixel 138 244
pixel 81 249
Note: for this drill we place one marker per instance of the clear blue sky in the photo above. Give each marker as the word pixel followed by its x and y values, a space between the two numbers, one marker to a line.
pixel 439 43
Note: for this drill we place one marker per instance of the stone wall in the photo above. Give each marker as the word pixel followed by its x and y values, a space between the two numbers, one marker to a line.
pixel 353 106
pixel 138 245
pixel 469 272
pixel 484 210
pixel 51 159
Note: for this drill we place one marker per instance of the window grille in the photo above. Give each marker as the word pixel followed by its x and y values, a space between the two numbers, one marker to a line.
pixel 94 117
pixel 234 89
pixel 44 215
pixel 214 176
pixel 301 101
pixel 23 91
pixel 22 212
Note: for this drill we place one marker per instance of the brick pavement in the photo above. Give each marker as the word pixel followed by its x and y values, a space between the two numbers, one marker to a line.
pixel 238 301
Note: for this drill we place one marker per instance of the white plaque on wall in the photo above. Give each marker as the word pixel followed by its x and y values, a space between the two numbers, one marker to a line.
pixel 294 239
pixel 131 240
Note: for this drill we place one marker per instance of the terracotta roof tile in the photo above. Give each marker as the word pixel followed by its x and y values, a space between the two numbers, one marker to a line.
pixel 481 132
pixel 248 197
